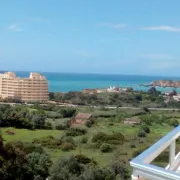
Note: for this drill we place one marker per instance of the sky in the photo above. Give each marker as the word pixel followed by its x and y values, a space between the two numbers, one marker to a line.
pixel 140 37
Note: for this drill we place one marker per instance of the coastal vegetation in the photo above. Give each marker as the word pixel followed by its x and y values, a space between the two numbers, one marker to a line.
pixel 152 98
pixel 38 139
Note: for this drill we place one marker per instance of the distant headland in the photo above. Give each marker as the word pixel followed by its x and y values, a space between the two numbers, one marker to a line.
pixel 163 83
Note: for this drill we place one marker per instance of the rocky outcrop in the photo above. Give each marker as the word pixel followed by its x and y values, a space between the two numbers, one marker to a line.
pixel 166 83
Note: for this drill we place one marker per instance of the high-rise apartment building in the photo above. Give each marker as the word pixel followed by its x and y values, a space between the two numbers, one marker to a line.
pixel 34 88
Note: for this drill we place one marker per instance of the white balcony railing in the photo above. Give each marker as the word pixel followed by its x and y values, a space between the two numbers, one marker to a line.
pixel 142 169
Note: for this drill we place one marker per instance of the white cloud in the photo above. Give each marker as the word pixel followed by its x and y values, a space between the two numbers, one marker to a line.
pixel 162 28
pixel 157 56
pixel 112 25
pixel 83 53
pixel 15 27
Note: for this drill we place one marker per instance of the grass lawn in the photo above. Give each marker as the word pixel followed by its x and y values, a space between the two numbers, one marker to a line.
pixel 28 135
pixel 102 158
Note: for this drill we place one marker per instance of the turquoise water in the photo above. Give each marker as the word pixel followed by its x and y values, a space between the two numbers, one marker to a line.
pixel 64 82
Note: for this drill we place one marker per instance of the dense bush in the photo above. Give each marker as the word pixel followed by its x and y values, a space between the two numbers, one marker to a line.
pixel 146 110
pixel 174 123
pixel 65 143
pixel 106 148
pixel 82 159
pixel 61 127
pixel 145 128
pixel 116 138
pixel 132 146
pixel 68 139
pixel 48 125
pixel 23 161
pixel 74 168
pixel 120 169
pixel 67 146
pixel 48 141
pixel 84 140
pixel 141 133
pixel 150 119
pixel 98 137
pixel 65 169
pixel 88 123
pixel 67 112
pixel 21 117
pixel 54 115
pixel 75 132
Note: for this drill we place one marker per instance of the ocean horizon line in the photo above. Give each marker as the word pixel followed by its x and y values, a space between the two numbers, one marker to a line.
pixel 92 73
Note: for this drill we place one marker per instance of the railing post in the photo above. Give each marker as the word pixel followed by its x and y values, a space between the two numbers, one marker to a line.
pixel 134 177
pixel 172 151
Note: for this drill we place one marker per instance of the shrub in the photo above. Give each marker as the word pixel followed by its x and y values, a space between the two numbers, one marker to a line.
pixel 84 140
pixel 116 138
pixel 141 133
pixel 48 125
pixel 98 137
pixel 67 139
pixel 120 169
pixel 68 112
pixel 82 159
pixel 146 110
pixel 48 141
pixel 61 127
pixel 174 123
pixel 146 129
pixel 67 146
pixel 106 148
pixel 88 123
pixel 54 115
pixel 75 132
pixel 133 146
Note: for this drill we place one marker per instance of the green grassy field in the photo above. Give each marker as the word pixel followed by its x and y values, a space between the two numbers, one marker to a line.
pixel 27 135
pixel 106 125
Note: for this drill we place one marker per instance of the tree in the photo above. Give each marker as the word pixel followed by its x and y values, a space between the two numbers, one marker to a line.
pixel 65 169
pixel 67 112
pixel 51 95
pixel 173 93
pixel 39 163
pixel 97 173
pixel 39 119
pixel 153 90
pixel 120 169
pixel 138 97
pixel 18 161
pixel 38 177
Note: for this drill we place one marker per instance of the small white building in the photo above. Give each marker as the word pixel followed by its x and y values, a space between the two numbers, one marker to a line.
pixel 176 98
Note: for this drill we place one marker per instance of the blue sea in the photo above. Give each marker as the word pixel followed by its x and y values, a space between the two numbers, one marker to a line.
pixel 64 82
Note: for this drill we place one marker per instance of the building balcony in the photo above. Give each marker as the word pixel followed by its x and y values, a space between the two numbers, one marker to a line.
pixel 144 170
